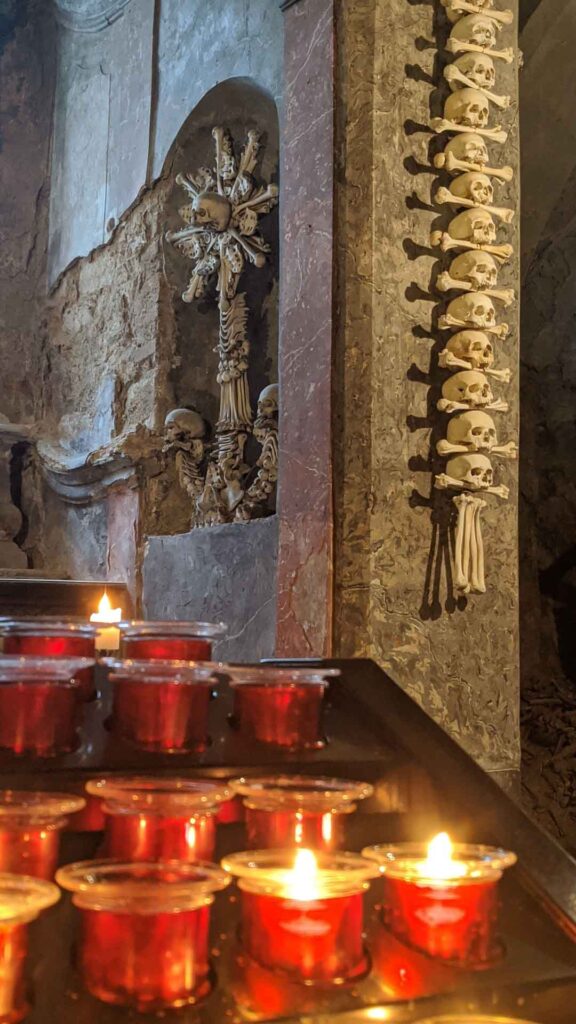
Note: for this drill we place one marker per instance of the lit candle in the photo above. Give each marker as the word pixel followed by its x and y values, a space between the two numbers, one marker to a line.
pixel 302 913
pixel 108 637
pixel 443 899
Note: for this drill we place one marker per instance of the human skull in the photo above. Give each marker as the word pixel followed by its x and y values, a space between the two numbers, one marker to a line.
pixel 469 387
pixel 478 67
pixel 474 186
pixel 211 210
pixel 470 148
pixel 476 268
pixel 468 107
pixel 454 15
pixel 475 429
pixel 475 29
pixel 474 346
pixel 474 226
pixel 183 425
pixel 474 470
pixel 268 401
pixel 474 308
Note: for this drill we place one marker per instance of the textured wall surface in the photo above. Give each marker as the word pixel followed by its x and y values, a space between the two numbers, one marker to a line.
pixel 221 574
pixel 459 658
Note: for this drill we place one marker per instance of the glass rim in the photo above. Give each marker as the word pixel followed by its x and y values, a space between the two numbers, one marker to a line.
pixel 147 793
pixel 32 669
pixel 267 872
pixel 475 1018
pixel 22 897
pixel 142 886
pixel 268 675
pixel 34 805
pixel 48 625
pixel 306 792
pixel 399 860
pixel 159 628
pixel 152 670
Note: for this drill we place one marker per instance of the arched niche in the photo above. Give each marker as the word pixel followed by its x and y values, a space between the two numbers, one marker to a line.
pixel 238 104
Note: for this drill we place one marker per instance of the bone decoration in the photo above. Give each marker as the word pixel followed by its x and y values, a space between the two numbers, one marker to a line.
pixel 477 33
pixel 468 109
pixel 468 389
pixel 456 9
pixel 468 152
pixel 472 350
pixel 474 431
pixel 473 71
pixel 474 271
pixel 473 229
pixel 475 310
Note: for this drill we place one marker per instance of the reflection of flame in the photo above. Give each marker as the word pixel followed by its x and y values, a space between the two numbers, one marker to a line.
pixel 303 879
pixel 439 862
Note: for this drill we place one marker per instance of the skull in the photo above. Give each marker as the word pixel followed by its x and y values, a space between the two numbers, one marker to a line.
pixel 475 29
pixel 473 470
pixel 211 210
pixel 469 387
pixel 479 67
pixel 470 148
pixel 476 268
pixel 475 186
pixel 474 308
pixel 474 226
pixel 474 429
pixel 468 107
pixel 182 425
pixel 454 15
pixel 474 346
pixel 268 401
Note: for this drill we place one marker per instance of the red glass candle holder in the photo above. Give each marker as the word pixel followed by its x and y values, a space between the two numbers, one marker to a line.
pixel 162 706
pixel 454 919
pixel 280 706
pixel 145 930
pixel 472 1018
pixel 30 826
pixel 39 704
pixel 307 928
pixel 159 819
pixel 48 637
pixel 21 901
pixel 285 811
pixel 169 641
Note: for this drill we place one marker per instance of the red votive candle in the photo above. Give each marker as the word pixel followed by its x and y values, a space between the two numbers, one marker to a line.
pixel 442 899
pixel 280 706
pixel 302 912
pixel 48 637
pixel 298 810
pixel 169 641
pixel 21 901
pixel 162 706
pixel 159 819
pixel 145 930
pixel 30 826
pixel 39 704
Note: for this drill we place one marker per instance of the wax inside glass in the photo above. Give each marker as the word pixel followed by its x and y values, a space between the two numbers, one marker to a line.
pixel 151 819
pixel 284 811
pixel 162 706
pixel 145 930
pixel 21 900
pixel 30 827
pixel 39 705
pixel 452 916
pixel 48 637
pixel 169 641
pixel 279 706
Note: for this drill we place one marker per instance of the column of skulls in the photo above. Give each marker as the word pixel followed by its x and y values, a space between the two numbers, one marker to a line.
pixel 475 334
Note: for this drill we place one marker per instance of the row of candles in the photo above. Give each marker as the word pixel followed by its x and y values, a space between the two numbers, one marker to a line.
pixel 145 909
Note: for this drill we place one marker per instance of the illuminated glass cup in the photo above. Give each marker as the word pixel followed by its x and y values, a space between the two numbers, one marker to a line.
pixel 472 1018
pixel 39 704
pixel 144 939
pixel 48 636
pixel 22 899
pixel 169 641
pixel 159 819
pixel 30 827
pixel 298 810
pixel 280 706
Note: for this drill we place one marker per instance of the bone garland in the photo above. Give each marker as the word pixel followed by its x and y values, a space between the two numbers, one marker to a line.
pixel 441 124
pixel 473 431
pixel 456 9
pixel 474 271
pixel 455 77
pixel 471 472
pixel 468 389
pixel 445 283
pixel 445 195
pixel 468 152
pixel 476 33
pixel 475 310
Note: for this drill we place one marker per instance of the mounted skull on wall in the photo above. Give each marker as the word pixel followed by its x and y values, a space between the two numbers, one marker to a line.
pixel 211 210
pixel 468 108
pixel 468 389
pixel 473 471
pixel 468 152
pixel 182 426
pixel 474 186
pixel 478 67
pixel 474 431
pixel 474 309
pixel 477 269
pixel 472 229
pixel 471 350
pixel 456 9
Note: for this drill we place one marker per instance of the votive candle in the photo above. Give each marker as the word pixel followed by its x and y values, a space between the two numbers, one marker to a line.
pixel 30 827
pixel 280 706
pixel 39 704
pixel 22 899
pixel 47 636
pixel 169 641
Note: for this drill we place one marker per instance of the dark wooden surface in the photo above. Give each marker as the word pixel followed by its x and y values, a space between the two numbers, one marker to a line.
pixel 59 597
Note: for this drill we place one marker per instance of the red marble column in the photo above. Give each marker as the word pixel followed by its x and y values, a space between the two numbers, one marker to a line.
pixel 305 563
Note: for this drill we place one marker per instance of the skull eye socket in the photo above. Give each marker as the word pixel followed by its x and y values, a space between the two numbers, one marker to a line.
pixel 477 471
pixel 474 388
pixel 476 346
pixel 476 431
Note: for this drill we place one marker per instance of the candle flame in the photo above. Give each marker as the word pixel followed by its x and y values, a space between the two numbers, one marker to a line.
pixel 106 613
pixel 303 880
pixel 439 862
pixel 105 606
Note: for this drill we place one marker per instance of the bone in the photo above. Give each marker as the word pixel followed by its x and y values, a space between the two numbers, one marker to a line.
pixel 453 74
pixel 445 447
pixel 506 451
pixel 448 406
pixel 444 195
pixel 467 516
pixel 458 46
pixel 498 406
pixel 446 242
pixel 447 361
pixel 445 283
pixel 442 124
pixel 442 481
pixel 446 322
pixel 477 581
pixel 461 6
pixel 451 164
pixel 501 491
pixel 460 577
pixel 505 376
